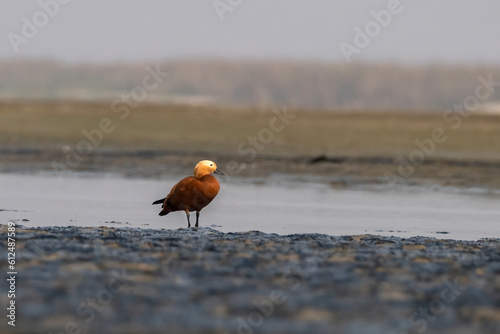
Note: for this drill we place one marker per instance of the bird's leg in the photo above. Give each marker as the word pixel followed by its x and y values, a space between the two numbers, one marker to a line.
pixel 187 215
pixel 197 217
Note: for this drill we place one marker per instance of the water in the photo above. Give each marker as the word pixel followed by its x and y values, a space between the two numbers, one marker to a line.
pixel 278 207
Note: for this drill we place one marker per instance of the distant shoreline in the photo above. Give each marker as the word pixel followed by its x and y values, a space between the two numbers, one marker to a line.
pixel 250 83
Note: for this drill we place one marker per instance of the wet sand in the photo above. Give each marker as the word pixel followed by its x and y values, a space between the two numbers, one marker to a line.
pixel 122 280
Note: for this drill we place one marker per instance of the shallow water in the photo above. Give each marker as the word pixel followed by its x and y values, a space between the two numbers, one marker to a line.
pixel 280 207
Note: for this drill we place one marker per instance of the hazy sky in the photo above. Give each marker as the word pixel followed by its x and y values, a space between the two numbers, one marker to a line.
pixel 115 30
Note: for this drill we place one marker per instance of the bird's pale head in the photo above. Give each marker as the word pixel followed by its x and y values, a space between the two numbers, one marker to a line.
pixel 206 167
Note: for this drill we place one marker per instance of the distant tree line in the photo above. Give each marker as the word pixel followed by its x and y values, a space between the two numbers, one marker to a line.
pixel 256 83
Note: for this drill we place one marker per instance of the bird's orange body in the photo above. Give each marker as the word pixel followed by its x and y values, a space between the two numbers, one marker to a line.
pixel 192 193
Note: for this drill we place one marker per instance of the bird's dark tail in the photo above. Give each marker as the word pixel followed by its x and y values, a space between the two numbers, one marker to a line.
pixel 160 201
pixel 164 212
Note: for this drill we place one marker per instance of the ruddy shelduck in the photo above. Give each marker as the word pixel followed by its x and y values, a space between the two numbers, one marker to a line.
pixel 193 193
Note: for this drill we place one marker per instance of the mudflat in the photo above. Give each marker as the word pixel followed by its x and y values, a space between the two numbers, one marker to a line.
pixel 348 147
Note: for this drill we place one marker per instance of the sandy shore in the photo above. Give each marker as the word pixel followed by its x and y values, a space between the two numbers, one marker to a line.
pixel 109 280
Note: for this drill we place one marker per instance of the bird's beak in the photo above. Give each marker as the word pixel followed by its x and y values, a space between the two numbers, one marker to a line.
pixel 218 172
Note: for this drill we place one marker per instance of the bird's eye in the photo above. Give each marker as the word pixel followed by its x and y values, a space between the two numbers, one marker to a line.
pixel 211 165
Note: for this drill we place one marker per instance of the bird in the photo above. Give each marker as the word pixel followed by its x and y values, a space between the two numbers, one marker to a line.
pixel 192 193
